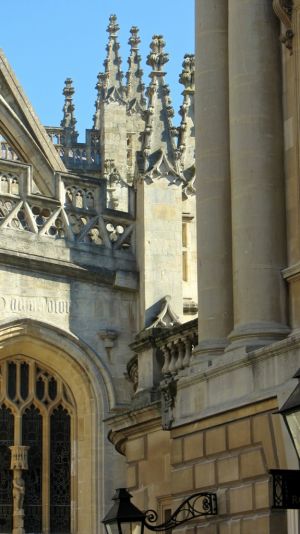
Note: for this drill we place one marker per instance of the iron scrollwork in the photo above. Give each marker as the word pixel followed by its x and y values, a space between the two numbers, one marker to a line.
pixel 197 505
pixel 284 10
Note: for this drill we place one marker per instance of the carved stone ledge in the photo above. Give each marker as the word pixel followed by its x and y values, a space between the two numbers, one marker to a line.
pixel 284 11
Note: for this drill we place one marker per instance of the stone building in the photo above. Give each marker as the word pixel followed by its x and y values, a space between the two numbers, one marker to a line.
pixel 98 243
pixel 98 286
pixel 216 428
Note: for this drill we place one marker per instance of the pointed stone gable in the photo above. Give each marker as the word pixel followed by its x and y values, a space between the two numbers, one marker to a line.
pixel 23 130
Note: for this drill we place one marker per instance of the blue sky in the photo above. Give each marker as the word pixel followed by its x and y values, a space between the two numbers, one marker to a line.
pixel 47 41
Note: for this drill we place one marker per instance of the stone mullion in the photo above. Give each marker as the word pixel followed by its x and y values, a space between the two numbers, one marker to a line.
pixel 46 475
pixel 18 429
pixel 73 473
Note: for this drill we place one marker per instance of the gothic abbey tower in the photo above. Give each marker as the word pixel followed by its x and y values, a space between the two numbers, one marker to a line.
pixel 98 250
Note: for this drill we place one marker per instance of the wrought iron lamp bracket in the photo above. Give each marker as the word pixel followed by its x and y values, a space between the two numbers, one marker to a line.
pixel 197 505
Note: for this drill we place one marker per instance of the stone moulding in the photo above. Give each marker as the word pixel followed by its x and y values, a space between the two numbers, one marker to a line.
pixel 284 10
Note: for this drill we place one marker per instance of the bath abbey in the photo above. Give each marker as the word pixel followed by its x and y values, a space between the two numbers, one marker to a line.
pixel 150 285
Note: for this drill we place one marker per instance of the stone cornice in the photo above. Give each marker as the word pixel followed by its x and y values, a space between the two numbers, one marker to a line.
pixel 132 423
pixel 34 263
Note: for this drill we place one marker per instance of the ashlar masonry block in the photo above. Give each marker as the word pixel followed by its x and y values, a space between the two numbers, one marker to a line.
pixel 252 464
pixel 239 434
pixel 262 494
pixel 259 525
pixel 182 480
pixel 241 499
pixel 228 470
pixel 135 449
pixel 205 474
pixel 193 446
pixel 176 451
pixel 206 529
pixel 262 434
pixel 215 440
pixel 132 478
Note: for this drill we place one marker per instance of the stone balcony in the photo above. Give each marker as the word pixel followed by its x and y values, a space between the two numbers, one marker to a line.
pixel 162 354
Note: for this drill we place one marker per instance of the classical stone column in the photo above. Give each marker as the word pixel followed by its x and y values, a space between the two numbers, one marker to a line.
pixel 257 173
pixel 18 464
pixel 213 177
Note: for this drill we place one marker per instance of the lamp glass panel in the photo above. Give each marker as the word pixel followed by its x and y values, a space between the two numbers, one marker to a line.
pixel 134 527
pixel 112 528
pixel 293 422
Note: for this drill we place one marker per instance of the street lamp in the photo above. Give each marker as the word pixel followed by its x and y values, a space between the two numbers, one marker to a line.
pixel 291 414
pixel 125 518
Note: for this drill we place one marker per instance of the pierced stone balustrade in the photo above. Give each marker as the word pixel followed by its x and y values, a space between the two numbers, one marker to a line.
pixel 77 156
pixel 6 151
pixel 177 347
pixel 78 213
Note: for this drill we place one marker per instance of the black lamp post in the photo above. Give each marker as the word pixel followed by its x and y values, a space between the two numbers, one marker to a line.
pixel 125 518
pixel 291 414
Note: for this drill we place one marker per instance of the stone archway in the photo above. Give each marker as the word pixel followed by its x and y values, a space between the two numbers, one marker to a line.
pixel 76 366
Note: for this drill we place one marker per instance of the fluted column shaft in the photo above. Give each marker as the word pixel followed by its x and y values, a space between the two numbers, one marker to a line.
pixel 213 176
pixel 257 175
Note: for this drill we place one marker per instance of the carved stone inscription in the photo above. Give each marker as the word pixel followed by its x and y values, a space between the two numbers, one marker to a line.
pixel 34 304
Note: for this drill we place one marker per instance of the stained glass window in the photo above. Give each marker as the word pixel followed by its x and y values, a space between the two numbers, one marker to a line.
pixel 60 482
pixel 32 434
pixel 6 440
pixel 42 403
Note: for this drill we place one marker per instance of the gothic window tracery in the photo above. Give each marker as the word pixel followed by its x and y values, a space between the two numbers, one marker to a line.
pixel 36 411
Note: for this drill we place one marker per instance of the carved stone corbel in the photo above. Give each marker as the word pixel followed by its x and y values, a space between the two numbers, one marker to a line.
pixel 284 10
pixel 168 390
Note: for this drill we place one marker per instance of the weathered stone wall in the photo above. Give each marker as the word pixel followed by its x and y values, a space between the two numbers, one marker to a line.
pixel 229 454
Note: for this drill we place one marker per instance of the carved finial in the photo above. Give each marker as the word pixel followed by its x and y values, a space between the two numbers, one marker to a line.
pixel 68 122
pixel 135 86
pixel 113 26
pixel 134 40
pixel 186 131
pixel 101 87
pixel 158 57
pixel 187 76
pixel 113 62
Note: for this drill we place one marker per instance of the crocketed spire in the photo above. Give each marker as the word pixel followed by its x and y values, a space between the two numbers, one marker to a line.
pixel 159 133
pixel 68 122
pixel 112 63
pixel 135 86
pixel 110 81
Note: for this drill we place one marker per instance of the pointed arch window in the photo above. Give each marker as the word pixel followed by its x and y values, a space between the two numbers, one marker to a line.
pixel 36 411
